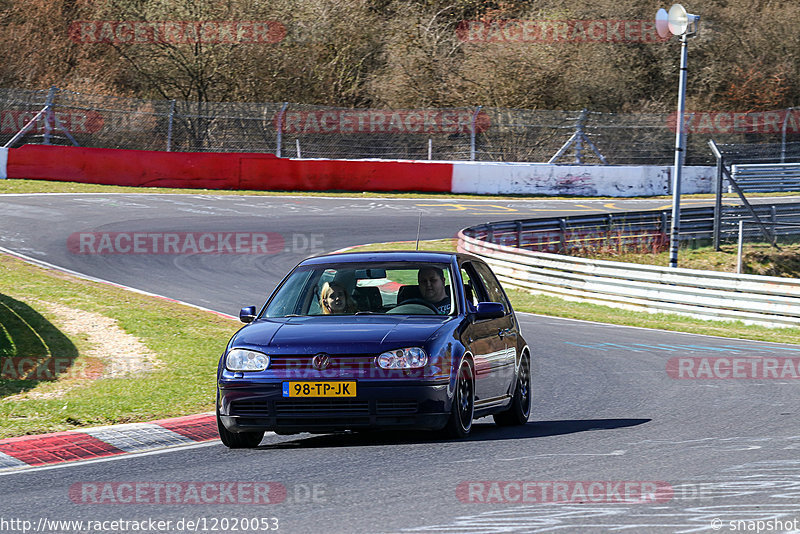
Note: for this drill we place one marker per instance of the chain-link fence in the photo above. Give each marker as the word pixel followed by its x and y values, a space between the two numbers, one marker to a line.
pixel 297 130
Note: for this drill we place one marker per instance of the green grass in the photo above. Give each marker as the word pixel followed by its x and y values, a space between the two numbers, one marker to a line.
pixel 187 340
pixel 757 258
pixel 557 307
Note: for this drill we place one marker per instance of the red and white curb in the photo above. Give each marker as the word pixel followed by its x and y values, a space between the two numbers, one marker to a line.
pixel 98 442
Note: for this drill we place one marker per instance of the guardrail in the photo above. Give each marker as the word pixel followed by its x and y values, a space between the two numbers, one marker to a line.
pixel 764 177
pixel 645 231
pixel 753 299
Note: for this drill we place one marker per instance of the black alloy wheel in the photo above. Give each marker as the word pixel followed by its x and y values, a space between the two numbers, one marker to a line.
pixel 463 409
pixel 520 409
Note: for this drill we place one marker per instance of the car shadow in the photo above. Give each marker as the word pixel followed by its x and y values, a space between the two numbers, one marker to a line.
pixel 481 431
pixel 32 349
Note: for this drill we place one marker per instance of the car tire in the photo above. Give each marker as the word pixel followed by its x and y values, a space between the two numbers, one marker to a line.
pixel 520 409
pixel 463 407
pixel 238 440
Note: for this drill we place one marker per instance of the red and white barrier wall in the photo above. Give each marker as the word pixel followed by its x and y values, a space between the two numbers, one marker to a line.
pixel 486 178
pixel 264 172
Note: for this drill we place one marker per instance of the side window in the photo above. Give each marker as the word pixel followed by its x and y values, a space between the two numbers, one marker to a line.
pixel 472 288
pixel 490 282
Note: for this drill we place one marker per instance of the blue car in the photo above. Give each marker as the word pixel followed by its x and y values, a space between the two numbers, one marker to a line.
pixel 365 340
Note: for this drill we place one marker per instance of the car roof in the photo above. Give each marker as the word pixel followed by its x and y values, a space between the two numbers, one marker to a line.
pixel 386 256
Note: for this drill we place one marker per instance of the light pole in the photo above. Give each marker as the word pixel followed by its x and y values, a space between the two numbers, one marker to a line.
pixel 678 22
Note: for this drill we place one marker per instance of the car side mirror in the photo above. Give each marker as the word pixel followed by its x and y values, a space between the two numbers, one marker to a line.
pixel 248 314
pixel 489 310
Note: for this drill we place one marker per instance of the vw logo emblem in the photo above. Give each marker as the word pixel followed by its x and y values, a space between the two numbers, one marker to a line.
pixel 321 361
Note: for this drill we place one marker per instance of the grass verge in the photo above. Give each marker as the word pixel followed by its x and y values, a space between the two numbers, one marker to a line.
pixel 187 341
pixel 557 307
pixel 757 258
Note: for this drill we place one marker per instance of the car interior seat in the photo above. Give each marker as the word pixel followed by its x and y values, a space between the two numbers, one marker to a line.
pixel 368 298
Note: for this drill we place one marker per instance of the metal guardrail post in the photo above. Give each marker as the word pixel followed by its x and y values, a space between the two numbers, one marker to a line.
pixel 774 215
pixel 279 141
pixel 562 235
pixel 519 234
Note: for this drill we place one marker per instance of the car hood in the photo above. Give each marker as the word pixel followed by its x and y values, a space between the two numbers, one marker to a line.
pixel 338 335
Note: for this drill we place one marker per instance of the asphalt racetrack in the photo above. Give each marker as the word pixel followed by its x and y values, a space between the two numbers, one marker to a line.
pixel 609 420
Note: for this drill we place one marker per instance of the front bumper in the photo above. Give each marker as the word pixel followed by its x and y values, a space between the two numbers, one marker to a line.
pixel 255 407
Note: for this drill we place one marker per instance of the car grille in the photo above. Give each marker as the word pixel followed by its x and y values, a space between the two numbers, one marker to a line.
pixel 321 407
pixel 396 407
pixel 250 408
pixel 338 361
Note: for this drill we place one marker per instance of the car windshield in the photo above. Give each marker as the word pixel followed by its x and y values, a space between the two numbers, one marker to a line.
pixel 365 288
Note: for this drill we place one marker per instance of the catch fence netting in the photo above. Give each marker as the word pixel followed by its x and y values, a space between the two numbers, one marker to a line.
pixel 308 131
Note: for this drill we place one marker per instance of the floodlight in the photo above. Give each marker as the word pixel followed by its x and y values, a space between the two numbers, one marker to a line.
pixel 686 25
pixel 662 23
pixel 678 20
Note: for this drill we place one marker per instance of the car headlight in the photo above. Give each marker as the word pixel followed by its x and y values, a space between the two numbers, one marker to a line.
pixel 410 358
pixel 246 360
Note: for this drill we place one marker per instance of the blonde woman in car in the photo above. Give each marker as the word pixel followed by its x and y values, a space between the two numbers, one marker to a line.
pixel 334 300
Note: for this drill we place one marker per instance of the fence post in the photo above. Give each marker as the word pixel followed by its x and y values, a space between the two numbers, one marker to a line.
pixel 169 124
pixel 472 133
pixel 579 137
pixel 774 213
pixel 562 234
pixel 739 247
pixel 280 131
pixel 48 114
pixel 717 230
pixel 519 234
pixel 783 134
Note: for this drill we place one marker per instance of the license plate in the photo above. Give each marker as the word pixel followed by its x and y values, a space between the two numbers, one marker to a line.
pixel 319 389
